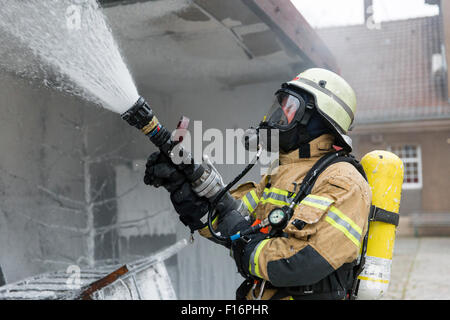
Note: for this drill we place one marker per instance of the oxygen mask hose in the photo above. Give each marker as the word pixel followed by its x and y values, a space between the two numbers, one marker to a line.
pixel 213 205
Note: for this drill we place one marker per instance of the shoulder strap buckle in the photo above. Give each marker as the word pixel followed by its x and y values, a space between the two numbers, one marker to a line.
pixel 378 214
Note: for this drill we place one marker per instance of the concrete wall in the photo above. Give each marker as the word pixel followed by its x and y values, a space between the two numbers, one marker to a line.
pixel 35 155
pixel 47 140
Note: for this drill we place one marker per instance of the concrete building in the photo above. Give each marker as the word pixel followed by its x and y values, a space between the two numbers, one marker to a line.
pixel 71 188
pixel 399 72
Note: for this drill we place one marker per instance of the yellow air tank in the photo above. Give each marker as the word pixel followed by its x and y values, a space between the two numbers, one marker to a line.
pixel 384 172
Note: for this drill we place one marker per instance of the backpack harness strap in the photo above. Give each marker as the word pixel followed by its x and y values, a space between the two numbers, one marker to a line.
pixel 378 214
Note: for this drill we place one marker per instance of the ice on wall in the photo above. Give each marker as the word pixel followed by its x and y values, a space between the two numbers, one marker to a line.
pixel 146 279
pixel 145 210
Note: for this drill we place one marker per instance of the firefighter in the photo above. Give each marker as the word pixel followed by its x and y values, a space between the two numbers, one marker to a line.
pixel 314 257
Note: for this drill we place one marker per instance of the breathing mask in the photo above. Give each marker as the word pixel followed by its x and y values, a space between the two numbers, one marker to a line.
pixel 289 114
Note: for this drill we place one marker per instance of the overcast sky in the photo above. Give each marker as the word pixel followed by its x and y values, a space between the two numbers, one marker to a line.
pixel 326 13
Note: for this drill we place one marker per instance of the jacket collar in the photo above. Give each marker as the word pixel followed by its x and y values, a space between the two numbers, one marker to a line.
pixel 318 147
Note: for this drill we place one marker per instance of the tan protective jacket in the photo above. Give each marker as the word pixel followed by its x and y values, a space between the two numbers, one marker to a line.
pixel 336 215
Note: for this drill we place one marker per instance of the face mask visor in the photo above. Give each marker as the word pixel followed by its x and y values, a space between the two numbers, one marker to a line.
pixel 287 109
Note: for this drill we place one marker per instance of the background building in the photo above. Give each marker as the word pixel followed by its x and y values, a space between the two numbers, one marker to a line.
pixel 399 72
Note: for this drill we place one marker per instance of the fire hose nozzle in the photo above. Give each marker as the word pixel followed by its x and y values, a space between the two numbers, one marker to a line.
pixel 139 115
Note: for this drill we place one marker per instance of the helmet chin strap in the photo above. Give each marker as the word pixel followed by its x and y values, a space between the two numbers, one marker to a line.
pixel 309 110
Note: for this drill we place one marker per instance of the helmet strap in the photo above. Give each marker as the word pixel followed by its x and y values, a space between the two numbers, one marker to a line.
pixel 308 113
pixel 304 151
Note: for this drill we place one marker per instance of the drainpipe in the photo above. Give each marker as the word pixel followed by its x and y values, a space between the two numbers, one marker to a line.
pixel 444 12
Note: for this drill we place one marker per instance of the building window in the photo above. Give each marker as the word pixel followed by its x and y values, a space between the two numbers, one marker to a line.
pixel 412 160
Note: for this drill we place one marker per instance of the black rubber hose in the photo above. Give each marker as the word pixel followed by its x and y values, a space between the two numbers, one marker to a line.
pixel 307 185
pixel 213 205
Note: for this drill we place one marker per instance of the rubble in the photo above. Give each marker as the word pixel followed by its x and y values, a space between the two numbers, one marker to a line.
pixel 145 279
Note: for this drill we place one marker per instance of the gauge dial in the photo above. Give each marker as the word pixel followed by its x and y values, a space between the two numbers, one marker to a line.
pixel 277 217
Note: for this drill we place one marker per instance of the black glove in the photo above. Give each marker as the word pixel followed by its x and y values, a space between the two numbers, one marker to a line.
pixel 241 250
pixel 231 223
pixel 190 207
pixel 160 172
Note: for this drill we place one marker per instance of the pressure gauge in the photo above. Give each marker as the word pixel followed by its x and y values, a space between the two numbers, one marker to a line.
pixel 279 217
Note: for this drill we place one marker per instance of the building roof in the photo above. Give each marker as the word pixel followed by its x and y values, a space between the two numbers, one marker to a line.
pixel 392 68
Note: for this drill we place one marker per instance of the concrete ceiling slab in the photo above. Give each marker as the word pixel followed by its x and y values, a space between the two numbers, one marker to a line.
pixel 261 43
pixel 184 43
pixel 192 14
pixel 230 9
